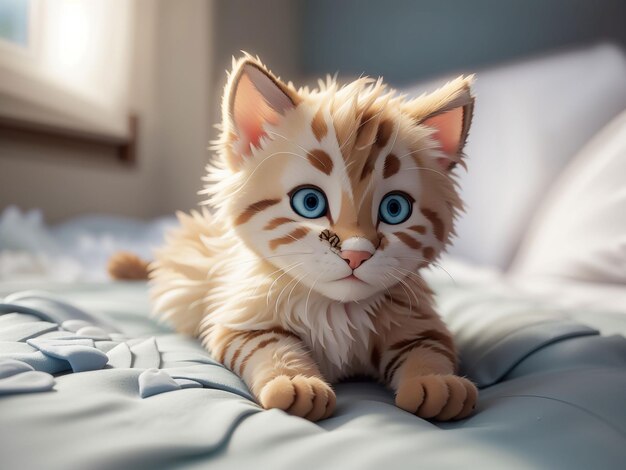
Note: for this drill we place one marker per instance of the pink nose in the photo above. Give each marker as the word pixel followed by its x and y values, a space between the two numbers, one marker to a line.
pixel 355 258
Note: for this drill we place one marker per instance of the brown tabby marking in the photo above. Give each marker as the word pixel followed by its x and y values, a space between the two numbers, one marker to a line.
pixel 384 132
pixel 258 347
pixel 244 338
pixel 433 218
pixel 321 160
pixel 391 167
pixel 291 237
pixel 408 240
pixel 277 222
pixel 418 228
pixel 229 337
pixel 433 335
pixel 383 242
pixel 375 357
pixel 250 335
pixel 444 347
pixel 318 125
pixel 395 363
pixel 254 209
pixel 429 253
pixel 368 167
pixel 399 302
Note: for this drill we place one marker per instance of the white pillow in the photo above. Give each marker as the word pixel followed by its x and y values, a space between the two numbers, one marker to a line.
pixel 580 229
pixel 530 118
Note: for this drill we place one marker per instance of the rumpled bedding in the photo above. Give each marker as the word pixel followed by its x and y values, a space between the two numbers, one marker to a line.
pixel 76 250
pixel 552 392
pixel 41 335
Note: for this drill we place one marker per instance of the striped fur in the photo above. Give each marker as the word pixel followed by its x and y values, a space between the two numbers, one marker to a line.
pixel 267 290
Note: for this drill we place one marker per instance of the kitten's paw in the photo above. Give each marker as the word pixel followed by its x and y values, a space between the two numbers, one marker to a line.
pixel 307 397
pixel 438 397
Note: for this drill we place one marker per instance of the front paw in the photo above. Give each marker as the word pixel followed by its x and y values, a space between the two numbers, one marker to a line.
pixel 307 397
pixel 439 397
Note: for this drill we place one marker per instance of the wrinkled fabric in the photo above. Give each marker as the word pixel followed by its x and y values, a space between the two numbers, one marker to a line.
pixel 552 397
pixel 41 335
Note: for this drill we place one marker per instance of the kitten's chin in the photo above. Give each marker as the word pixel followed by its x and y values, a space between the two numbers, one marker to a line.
pixel 346 290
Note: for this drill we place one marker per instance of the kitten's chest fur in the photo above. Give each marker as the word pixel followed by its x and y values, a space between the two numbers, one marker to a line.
pixel 340 336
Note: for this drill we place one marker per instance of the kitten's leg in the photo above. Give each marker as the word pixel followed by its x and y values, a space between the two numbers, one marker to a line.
pixel 421 370
pixel 278 368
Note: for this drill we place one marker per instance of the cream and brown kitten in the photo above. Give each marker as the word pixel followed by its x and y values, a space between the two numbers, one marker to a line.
pixel 326 204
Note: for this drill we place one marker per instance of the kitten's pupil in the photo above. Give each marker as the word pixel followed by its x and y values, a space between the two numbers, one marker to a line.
pixel 393 207
pixel 311 202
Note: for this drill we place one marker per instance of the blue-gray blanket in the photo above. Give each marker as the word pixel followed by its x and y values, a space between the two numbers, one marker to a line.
pixel 89 380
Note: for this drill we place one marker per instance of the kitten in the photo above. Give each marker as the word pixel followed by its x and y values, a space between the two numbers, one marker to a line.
pixel 326 203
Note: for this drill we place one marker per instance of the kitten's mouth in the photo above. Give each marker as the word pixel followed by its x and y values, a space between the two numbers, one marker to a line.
pixel 352 277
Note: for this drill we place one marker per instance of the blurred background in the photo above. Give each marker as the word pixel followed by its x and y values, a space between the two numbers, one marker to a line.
pixel 107 106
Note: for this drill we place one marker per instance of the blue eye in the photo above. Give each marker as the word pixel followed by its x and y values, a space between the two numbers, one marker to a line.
pixel 309 202
pixel 395 208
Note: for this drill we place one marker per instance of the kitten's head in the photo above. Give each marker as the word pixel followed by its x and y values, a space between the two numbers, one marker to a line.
pixel 345 189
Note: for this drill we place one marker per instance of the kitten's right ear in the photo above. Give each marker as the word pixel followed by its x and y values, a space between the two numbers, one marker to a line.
pixel 448 112
pixel 253 98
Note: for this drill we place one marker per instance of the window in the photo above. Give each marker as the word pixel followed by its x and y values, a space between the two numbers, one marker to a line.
pixel 66 63
pixel 14 19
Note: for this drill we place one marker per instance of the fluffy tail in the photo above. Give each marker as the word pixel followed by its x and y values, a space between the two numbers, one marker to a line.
pixel 128 266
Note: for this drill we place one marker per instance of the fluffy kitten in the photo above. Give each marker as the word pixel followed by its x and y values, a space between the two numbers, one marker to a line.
pixel 326 204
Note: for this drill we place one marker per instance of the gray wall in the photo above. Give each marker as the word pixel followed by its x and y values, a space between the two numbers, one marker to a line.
pixel 407 40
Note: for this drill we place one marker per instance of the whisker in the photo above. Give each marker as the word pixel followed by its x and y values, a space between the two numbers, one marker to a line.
pixel 294 286
pixel 276 280
pixel 262 282
pixel 405 291
pixel 426 169
pixel 259 284
pixel 261 163
pixel 292 142
pixel 306 304
pixel 301 240
pixel 281 294
pixel 395 138
pixel 430 263
pixel 407 285
pixel 387 289
pixel 277 256
pixel 354 130
pixel 421 149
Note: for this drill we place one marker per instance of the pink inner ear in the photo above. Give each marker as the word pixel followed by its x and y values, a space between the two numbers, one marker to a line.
pixel 448 128
pixel 250 113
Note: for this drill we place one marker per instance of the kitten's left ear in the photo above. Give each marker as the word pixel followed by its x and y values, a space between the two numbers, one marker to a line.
pixel 449 111
pixel 253 98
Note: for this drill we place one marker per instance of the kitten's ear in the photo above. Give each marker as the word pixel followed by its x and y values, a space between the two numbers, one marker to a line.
pixel 253 98
pixel 449 111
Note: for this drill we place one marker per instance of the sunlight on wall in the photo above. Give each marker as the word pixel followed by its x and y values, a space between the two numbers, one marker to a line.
pixel 74 63
pixel 80 46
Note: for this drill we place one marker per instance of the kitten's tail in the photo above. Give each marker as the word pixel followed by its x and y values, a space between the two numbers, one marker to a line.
pixel 127 266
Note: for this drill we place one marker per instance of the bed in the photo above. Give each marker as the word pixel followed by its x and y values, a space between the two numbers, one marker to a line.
pixel 88 379
pixel 553 385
